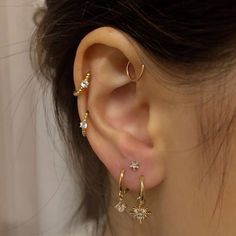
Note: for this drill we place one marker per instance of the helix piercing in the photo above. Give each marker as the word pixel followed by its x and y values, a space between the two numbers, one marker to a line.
pixel 84 124
pixel 84 84
pixel 128 74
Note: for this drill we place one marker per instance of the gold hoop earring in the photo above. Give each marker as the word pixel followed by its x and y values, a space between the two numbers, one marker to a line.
pixel 84 124
pixel 128 74
pixel 121 205
pixel 140 212
pixel 84 84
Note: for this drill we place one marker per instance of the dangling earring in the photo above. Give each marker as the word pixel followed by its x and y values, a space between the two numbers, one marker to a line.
pixel 121 205
pixel 83 85
pixel 84 124
pixel 140 212
pixel 128 73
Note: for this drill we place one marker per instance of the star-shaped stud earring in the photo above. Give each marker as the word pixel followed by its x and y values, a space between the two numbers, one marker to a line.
pixel 134 165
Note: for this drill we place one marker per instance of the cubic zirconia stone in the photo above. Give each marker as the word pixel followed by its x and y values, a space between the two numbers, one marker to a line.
pixel 120 206
pixel 134 165
pixel 84 84
pixel 83 125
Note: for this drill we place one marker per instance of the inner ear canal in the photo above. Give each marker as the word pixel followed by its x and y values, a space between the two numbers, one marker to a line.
pixel 125 113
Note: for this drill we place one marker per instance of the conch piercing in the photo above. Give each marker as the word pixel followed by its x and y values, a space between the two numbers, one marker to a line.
pixel 128 74
pixel 84 124
pixel 83 85
pixel 121 205
pixel 140 212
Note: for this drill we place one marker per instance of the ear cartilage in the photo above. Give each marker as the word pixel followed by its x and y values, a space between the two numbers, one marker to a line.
pixel 134 166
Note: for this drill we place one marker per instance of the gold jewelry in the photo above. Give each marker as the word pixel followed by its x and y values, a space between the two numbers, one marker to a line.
pixel 134 165
pixel 84 124
pixel 140 212
pixel 128 74
pixel 83 85
pixel 121 205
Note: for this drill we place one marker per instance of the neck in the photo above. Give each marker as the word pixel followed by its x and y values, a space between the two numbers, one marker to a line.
pixel 187 202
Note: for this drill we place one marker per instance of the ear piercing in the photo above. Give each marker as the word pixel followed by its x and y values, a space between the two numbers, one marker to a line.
pixel 84 124
pixel 134 165
pixel 83 85
pixel 121 205
pixel 128 73
pixel 140 212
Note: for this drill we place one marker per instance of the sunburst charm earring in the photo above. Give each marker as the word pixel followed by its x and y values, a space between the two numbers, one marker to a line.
pixel 140 212
pixel 84 124
pixel 83 85
pixel 121 205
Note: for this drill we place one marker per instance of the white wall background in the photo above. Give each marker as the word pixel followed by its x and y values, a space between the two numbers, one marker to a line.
pixel 37 195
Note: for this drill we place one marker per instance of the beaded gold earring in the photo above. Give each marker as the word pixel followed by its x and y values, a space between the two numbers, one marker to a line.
pixel 83 85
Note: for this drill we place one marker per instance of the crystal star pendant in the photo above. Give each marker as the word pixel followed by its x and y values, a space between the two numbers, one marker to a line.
pixel 140 213
pixel 134 165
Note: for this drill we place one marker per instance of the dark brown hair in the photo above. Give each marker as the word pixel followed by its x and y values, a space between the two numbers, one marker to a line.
pixel 187 33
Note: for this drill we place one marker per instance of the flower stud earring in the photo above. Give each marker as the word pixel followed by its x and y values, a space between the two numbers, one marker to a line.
pixel 83 85
pixel 140 212
pixel 134 166
pixel 121 205
pixel 84 124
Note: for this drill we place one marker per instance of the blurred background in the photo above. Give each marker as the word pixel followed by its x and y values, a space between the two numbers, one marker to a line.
pixel 37 195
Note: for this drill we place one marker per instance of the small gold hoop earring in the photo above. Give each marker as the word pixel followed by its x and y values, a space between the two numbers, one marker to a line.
pixel 128 74
pixel 84 84
pixel 121 205
pixel 84 124
pixel 140 212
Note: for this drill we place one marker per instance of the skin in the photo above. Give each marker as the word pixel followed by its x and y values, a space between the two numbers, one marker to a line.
pixel 157 124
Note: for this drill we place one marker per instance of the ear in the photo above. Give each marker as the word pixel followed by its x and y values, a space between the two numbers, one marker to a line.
pixel 119 109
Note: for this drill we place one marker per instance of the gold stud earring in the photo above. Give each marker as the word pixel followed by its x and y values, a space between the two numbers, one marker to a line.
pixel 134 166
pixel 83 85
pixel 121 205
pixel 128 73
pixel 84 124
pixel 140 212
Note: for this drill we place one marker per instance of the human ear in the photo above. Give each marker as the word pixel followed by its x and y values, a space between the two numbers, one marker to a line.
pixel 119 111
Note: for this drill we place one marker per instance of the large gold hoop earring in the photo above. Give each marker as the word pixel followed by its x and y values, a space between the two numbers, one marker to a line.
pixel 121 205
pixel 128 74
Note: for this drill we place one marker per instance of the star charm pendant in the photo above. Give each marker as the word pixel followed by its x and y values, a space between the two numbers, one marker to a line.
pixel 134 165
pixel 140 213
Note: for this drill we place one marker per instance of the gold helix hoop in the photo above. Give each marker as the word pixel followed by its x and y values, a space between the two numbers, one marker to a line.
pixel 83 85
pixel 128 73
pixel 84 124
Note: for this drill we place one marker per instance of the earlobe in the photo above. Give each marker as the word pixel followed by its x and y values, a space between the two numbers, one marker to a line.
pixel 118 115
